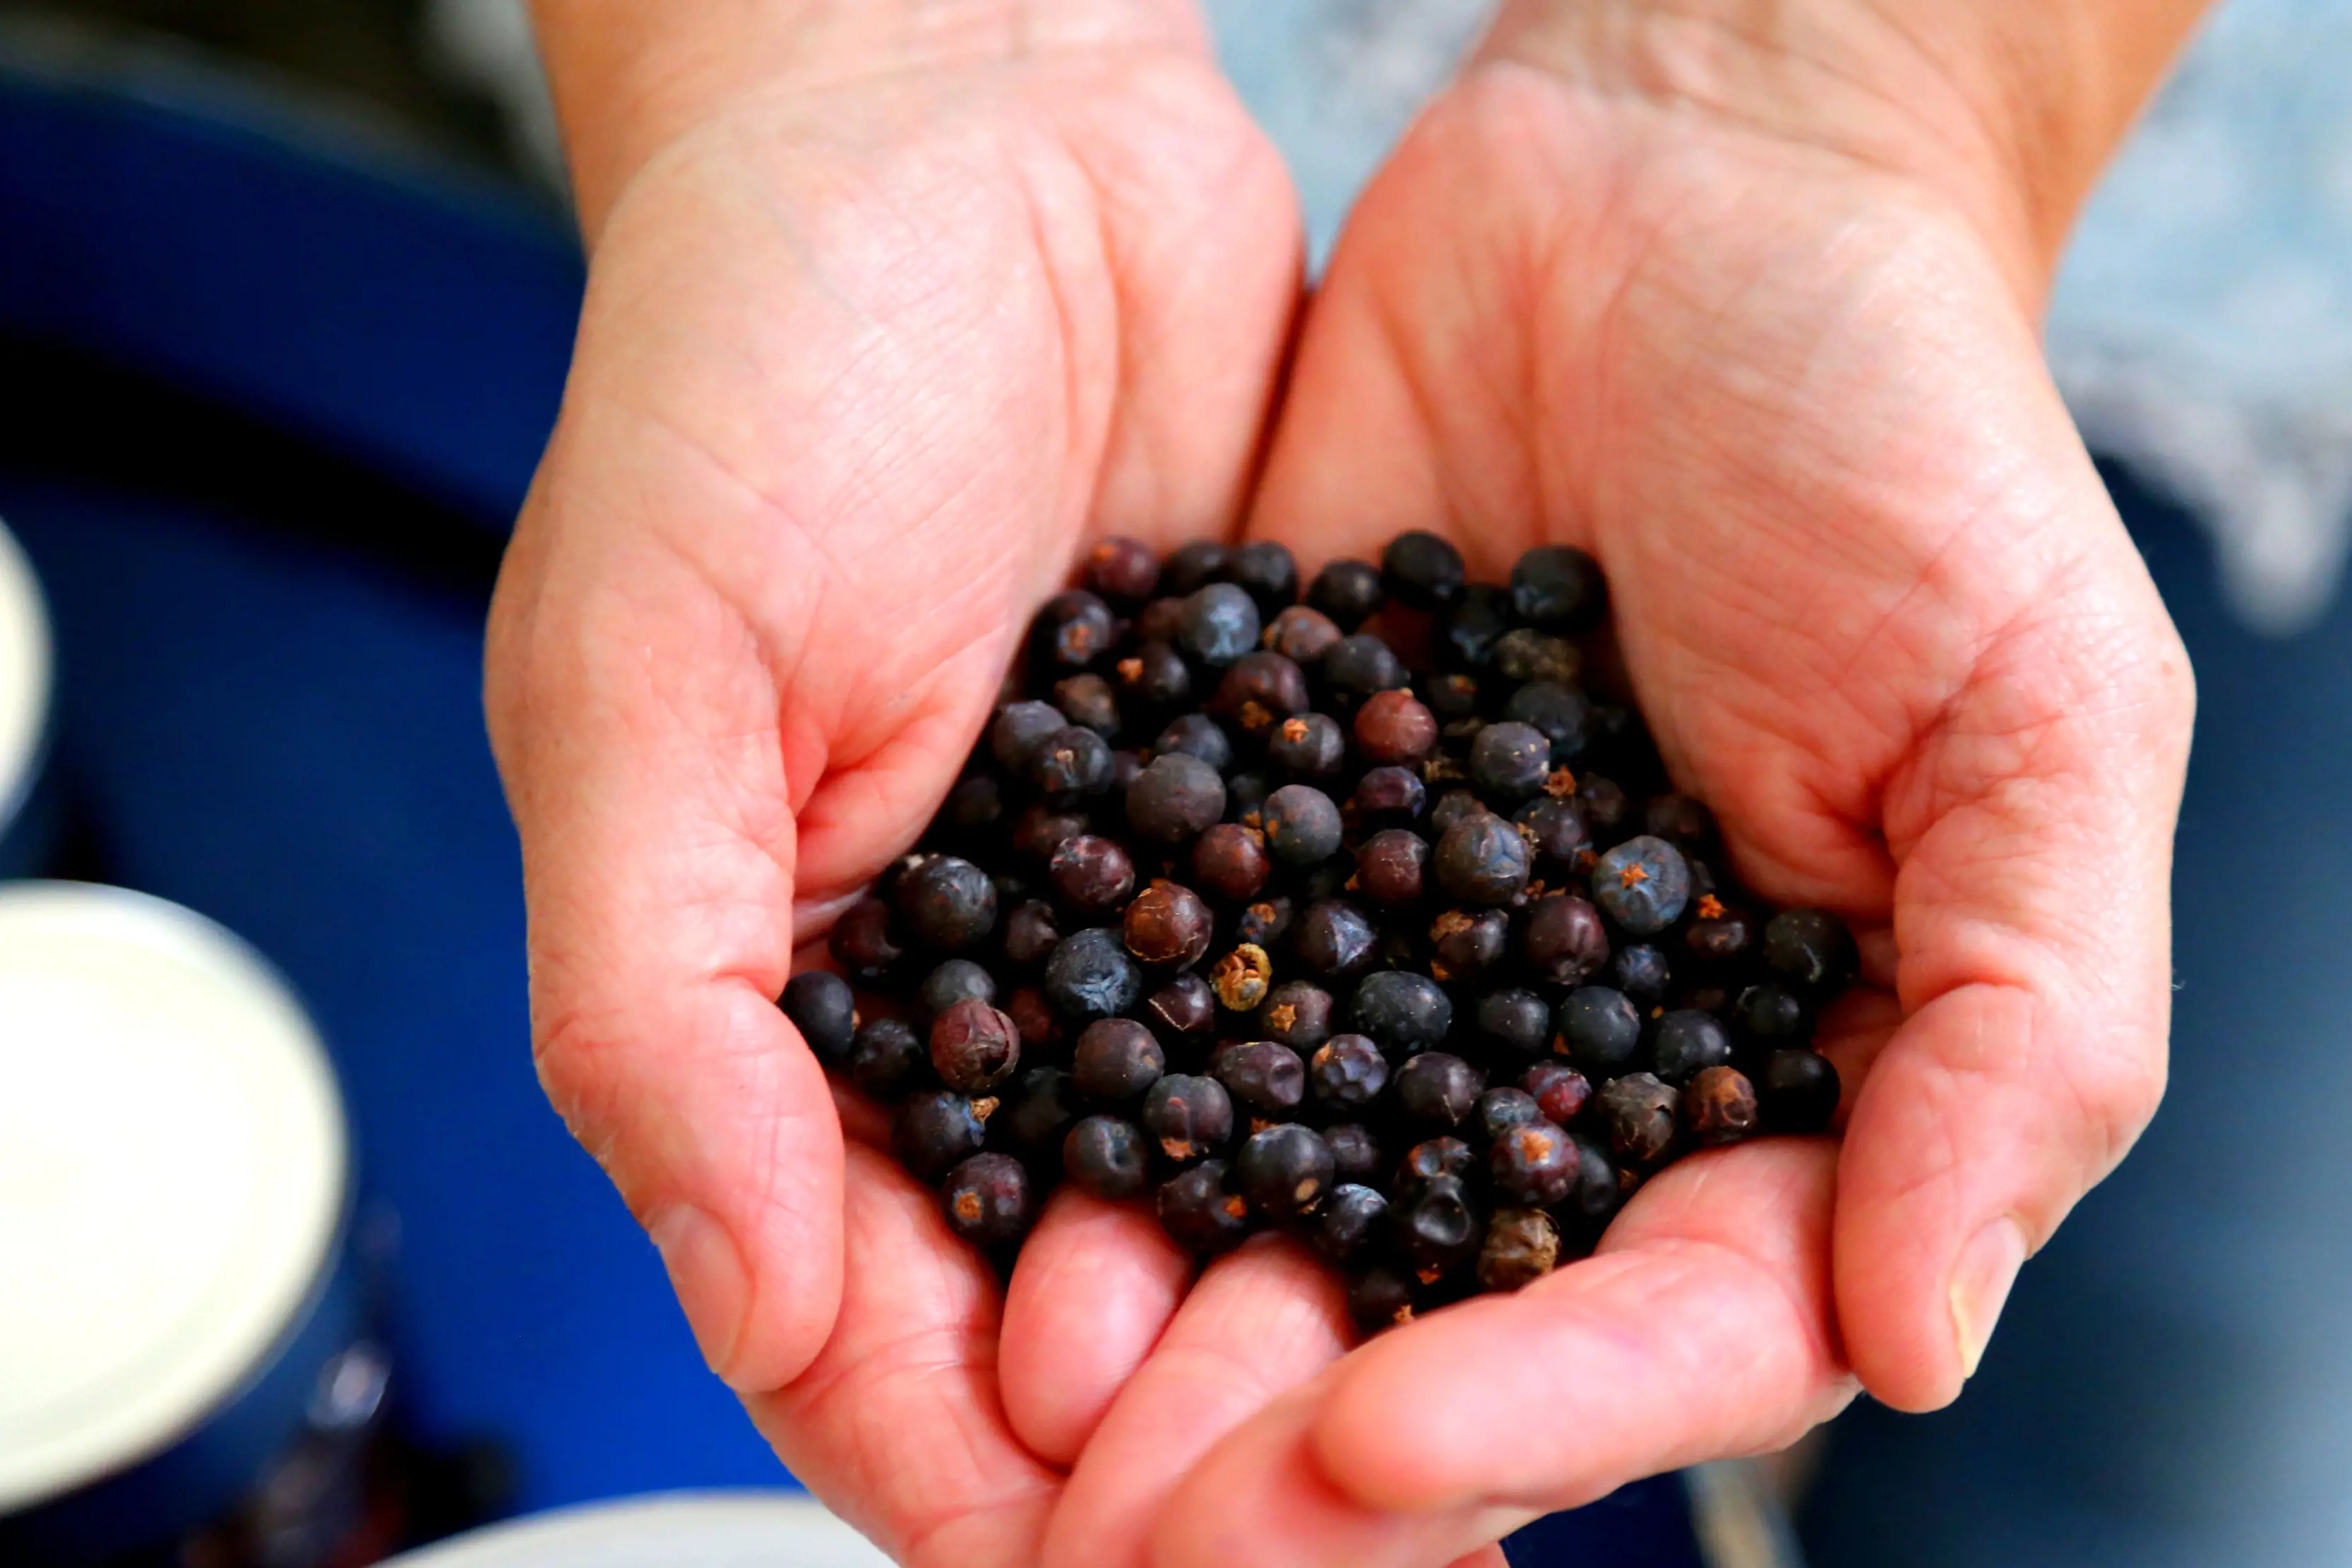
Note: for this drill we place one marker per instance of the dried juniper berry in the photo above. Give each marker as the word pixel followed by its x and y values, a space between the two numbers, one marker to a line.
pixel 1347 592
pixel 1242 977
pixel 1229 860
pixel 1555 832
pixel 1437 1228
pixel 1405 1012
pixel 1307 745
pixel 1642 884
pixel 1183 1012
pixel 1482 860
pixel 1600 1030
pixel 1772 1015
pixel 1688 1042
pixel 1564 941
pixel 1535 1163
pixel 1562 714
pixel 1359 665
pixel 1263 1078
pixel 1426 1161
pixel 1451 698
pixel 1388 866
pixel 1302 634
pixel 1437 1089
pixel 1030 933
pixel 1457 806
pixel 821 1008
pixel 1200 1213
pixel 1467 629
pixel 1088 701
pixel 1719 1107
pixel 1257 692
pixel 1682 822
pixel 1116 1059
pixel 1521 1246
pixel 1283 1170
pixel 1302 826
pixel 1296 1013
pixel 1092 976
pixel 1810 951
pixel 1040 830
pixel 1515 1022
pixel 974 808
pixel 1334 941
pixel 1510 762
pixel 1600 1190
pixel 1019 729
pixel 1604 805
pixel 1355 1153
pixel 1394 728
pixel 1386 796
pixel 1188 1116
pixel 1347 1073
pixel 1381 1298
pixel 1159 621
pixel 1464 944
pixel 1560 1091
pixel 1220 624
pixel 1501 1109
pixel 887 1059
pixel 1106 1157
pixel 1123 571
pixel 987 1201
pixel 1040 1025
pixel 1266 570
pixel 952 982
pixel 1092 875
pixel 1072 631
pixel 1639 1112
pixel 1421 571
pixel 862 940
pixel 1176 796
pixel 1246 794
pixel 1193 566
pixel 1196 735
pixel 1350 1223
pixel 1641 971
pixel 1558 588
pixel 1070 765
pixel 934 1132
pixel 1040 1109
pixel 974 1047
pixel 1168 927
pixel 1155 675
pixel 1799 1091
pixel 1527 654
pixel 1125 767
pixel 1265 922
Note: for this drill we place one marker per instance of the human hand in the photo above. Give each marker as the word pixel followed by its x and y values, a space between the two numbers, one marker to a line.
pixel 876 332
pixel 1755 322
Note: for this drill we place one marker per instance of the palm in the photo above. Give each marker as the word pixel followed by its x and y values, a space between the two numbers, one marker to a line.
pixel 1872 598
pixel 856 374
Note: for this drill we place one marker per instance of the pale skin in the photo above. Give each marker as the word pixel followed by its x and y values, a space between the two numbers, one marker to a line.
pixel 894 306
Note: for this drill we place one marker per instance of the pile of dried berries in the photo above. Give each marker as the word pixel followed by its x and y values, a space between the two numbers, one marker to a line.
pixel 1355 917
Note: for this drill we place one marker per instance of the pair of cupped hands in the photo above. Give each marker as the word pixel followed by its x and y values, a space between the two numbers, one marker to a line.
pixel 871 352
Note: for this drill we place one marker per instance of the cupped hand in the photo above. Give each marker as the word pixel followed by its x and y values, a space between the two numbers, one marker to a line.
pixel 1879 610
pixel 869 349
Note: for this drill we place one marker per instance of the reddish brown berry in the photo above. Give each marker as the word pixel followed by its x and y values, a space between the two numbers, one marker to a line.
pixel 1393 729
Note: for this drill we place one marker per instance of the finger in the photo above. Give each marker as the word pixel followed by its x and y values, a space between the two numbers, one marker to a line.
pixel 1096 1284
pixel 1701 1329
pixel 659 857
pixel 1260 1322
pixel 897 1425
pixel 1262 1500
pixel 2033 828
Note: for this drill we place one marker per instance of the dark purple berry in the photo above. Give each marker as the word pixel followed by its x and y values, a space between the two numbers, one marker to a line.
pixel 1309 746
pixel 1393 729
pixel 1258 692
pixel 1466 630
pixel 1431 1158
pixel 1334 941
pixel 1381 1298
pixel 1522 1246
pixel 1040 830
pixel 1564 941
pixel 1264 924
pixel 935 1132
pixel 1268 571
pixel 1197 735
pixel 1642 884
pixel 1482 860
pixel 887 1059
pixel 1351 1222
pixel 1188 1116
pixel 1456 805
pixel 1182 1011
pixel 975 805
pixel 1499 1110
pixel 1069 765
pixel 1348 1074
pixel 1560 588
pixel 1560 1091
pixel 1297 1013
pixel 1106 1157
pixel 951 982
pixel 1193 567
pixel 1301 634
pixel 1091 975
pixel 1604 806
pixel 1438 1089
pixel 1562 714
pixel 1019 729
pixel 1168 926
pixel 1093 875
pixel 1600 1030
pixel 1347 592
pixel 1600 1190
pixel 1527 654
pixel 862 941
pixel 948 903
pixel 1682 822
pixel 974 1047
pixel 1355 1153
pixel 1030 933
pixel 1510 762
pixel 1800 1092
pixel 1116 1059
pixel 1220 624
pixel 1039 1110
pixel 1641 972
pixel 1436 1228
pixel 1812 952
pixel 1772 1015
pixel 1719 1107
pixel 1159 621
pixel 1640 1113
pixel 987 1201
pixel 1155 675
pixel 1689 1042
pixel 1283 1170
pixel 1088 701
pixel 1389 795
pixel 1263 1078
pixel 1389 867
pixel 1072 631
pixel 1033 1016
pixel 1464 944
pixel 1230 861
pixel 1405 1012
pixel 1199 1214
pixel 1534 1164
pixel 1123 571
pixel 1555 830
pixel 822 1009
pixel 1301 825
pixel 1421 571
pixel 1359 665
pixel 1515 1022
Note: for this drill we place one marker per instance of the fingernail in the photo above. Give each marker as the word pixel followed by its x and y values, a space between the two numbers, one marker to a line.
pixel 1980 1282
pixel 708 1273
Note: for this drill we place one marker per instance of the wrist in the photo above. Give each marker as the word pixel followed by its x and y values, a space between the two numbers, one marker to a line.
pixel 2007 110
pixel 631 77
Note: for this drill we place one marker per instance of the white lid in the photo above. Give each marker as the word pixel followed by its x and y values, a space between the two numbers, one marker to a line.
pixel 712 1530
pixel 172 1170
pixel 24 672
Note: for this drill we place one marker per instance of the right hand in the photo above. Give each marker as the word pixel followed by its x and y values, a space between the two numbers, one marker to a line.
pixel 871 346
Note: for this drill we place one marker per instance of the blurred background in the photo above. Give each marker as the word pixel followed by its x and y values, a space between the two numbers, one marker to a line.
pixel 287 290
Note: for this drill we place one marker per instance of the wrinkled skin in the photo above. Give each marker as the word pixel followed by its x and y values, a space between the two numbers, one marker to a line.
pixel 859 373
